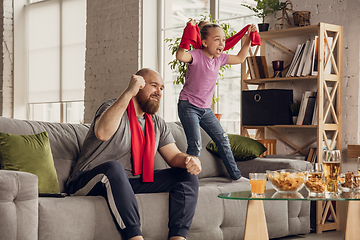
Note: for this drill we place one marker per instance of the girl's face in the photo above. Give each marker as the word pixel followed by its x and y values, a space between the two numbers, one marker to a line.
pixel 214 43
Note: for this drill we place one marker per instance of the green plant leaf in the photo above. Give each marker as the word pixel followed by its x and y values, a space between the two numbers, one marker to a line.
pixel 264 8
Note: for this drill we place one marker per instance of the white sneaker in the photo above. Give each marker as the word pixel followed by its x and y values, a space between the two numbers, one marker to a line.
pixel 242 179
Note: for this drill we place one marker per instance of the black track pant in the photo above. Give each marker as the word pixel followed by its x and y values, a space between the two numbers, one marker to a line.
pixel 111 181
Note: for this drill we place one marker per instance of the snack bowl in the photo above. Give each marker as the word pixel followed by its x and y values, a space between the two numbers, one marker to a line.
pixel 287 180
pixel 349 182
pixel 315 183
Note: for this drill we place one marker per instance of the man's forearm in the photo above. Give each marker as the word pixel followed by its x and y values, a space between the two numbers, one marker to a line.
pixel 179 160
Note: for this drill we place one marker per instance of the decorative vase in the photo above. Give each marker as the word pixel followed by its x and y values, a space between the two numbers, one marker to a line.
pixel 278 66
pixel 295 119
pixel 263 27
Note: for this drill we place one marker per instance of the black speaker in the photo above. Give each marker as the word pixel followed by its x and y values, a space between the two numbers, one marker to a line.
pixel 267 107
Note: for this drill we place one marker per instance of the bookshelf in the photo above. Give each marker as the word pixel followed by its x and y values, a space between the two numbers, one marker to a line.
pixel 328 133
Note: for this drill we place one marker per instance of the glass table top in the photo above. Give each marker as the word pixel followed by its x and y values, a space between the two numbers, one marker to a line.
pixel 302 195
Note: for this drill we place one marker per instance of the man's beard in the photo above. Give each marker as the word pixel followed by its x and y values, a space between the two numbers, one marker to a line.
pixel 147 105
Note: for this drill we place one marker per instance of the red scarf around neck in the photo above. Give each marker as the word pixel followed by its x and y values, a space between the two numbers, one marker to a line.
pixel 192 36
pixel 143 147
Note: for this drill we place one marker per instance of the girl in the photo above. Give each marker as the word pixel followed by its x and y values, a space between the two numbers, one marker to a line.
pixel 196 96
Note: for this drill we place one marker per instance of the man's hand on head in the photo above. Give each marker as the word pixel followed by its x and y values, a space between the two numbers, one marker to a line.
pixel 193 165
pixel 136 83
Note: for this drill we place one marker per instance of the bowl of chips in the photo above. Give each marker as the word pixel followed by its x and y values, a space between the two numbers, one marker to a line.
pixel 287 180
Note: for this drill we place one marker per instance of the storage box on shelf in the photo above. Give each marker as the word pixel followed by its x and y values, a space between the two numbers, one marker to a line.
pixel 267 107
pixel 328 106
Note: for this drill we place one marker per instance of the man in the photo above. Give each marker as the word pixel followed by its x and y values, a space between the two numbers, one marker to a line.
pixel 117 161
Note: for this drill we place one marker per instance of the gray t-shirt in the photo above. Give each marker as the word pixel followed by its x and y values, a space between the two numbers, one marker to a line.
pixel 118 148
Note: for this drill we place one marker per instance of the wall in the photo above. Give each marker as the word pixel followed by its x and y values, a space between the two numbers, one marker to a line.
pixel 112 50
pixel 6 59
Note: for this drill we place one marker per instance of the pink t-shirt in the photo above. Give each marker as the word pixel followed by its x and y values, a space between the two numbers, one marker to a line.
pixel 201 77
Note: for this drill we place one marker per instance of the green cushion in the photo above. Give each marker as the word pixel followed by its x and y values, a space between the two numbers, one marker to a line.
pixel 243 148
pixel 30 153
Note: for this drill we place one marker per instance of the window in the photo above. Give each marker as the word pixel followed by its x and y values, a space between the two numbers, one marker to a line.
pixel 175 15
pixel 56 31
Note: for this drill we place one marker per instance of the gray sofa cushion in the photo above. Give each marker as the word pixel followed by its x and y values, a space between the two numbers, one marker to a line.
pixel 80 217
pixel 18 205
pixel 263 164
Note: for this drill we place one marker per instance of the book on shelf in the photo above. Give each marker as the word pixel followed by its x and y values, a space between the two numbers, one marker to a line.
pixel 314 64
pixel 309 111
pixel 312 155
pixel 303 105
pixel 308 60
pixel 251 68
pixel 315 58
pixel 303 58
pixel 260 66
pixel 314 119
pixel 295 60
pixel 312 152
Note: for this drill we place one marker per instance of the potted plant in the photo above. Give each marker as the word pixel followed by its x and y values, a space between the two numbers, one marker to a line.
pixel 264 8
pixel 181 67
pixel 295 108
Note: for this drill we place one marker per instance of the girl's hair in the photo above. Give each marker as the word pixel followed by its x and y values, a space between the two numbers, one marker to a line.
pixel 204 27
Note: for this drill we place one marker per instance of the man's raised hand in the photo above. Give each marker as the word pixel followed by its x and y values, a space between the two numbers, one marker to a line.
pixel 136 83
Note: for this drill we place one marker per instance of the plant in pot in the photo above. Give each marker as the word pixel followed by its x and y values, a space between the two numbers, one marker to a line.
pixel 264 8
pixel 295 108
pixel 181 67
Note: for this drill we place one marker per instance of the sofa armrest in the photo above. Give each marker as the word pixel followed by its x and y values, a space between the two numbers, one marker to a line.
pixel 259 165
pixel 18 205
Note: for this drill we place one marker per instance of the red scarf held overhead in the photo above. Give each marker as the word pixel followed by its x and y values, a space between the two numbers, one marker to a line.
pixel 143 147
pixel 191 36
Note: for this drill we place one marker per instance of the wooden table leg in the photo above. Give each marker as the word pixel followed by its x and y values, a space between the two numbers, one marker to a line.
pixel 322 209
pixel 255 226
pixel 349 212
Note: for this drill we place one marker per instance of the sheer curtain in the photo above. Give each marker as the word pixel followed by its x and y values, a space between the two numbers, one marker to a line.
pixel 56 59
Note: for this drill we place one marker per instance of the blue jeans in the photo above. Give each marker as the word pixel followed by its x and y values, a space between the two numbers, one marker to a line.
pixel 192 118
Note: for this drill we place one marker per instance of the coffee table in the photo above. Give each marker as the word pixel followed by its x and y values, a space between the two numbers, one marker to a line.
pixel 255 225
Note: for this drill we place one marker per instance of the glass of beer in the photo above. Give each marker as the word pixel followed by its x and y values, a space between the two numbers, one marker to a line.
pixel 331 166
pixel 257 184
pixel 315 180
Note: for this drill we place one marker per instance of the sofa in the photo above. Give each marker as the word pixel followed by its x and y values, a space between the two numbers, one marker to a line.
pixel 25 215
